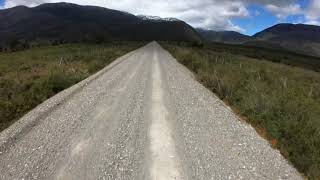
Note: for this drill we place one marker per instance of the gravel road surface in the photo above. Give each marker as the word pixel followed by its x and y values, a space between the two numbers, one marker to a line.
pixel 142 117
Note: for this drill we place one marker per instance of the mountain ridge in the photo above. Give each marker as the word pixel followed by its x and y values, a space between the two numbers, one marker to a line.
pixel 67 22
pixel 231 37
pixel 157 18
pixel 300 38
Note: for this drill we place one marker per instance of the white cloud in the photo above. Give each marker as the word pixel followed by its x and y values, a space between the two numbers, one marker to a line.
pixel 283 12
pixel 313 13
pixel 12 3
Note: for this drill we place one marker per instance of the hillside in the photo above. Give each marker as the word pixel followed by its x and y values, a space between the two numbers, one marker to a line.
pixel 274 54
pixel 281 32
pixel 58 22
pixel 42 74
pixel 300 38
pixel 230 37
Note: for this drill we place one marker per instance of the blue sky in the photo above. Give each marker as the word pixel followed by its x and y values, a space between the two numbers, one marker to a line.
pixel 261 18
pixel 245 16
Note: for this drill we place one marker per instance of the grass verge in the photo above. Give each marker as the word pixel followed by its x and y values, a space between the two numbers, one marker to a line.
pixel 29 77
pixel 282 100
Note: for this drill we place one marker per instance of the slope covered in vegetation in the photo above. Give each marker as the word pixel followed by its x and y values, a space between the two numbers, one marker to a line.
pixel 281 101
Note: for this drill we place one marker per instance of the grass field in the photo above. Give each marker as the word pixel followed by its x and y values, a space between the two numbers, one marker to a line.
pixel 29 77
pixel 272 54
pixel 282 102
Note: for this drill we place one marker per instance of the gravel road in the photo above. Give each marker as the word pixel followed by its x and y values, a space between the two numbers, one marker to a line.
pixel 142 117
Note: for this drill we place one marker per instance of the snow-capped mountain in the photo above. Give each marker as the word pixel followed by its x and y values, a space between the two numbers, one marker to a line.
pixel 156 18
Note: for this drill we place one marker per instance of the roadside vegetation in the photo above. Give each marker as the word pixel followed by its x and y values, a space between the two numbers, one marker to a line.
pixel 269 53
pixel 282 102
pixel 29 77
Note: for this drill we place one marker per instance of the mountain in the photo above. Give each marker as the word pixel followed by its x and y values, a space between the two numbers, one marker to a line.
pixel 282 32
pixel 157 18
pixel 71 22
pixel 230 37
pixel 300 38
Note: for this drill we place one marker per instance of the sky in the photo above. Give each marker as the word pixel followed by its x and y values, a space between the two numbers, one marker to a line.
pixel 245 16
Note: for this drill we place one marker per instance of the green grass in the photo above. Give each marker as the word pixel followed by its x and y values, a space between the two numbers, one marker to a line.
pixel 29 77
pixel 272 54
pixel 282 100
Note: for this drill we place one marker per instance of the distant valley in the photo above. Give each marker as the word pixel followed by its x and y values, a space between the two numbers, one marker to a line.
pixel 299 38
pixel 230 37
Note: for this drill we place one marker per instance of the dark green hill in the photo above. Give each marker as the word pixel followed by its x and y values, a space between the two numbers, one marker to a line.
pixel 230 37
pixel 300 38
pixel 56 22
